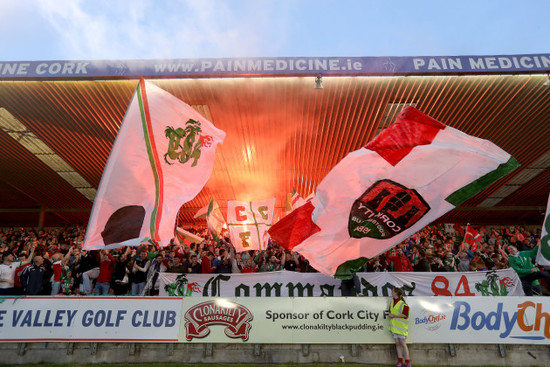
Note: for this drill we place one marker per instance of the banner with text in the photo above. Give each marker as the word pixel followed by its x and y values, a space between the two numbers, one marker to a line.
pixel 383 65
pixel 99 319
pixel 508 320
pixel 294 284
pixel 324 320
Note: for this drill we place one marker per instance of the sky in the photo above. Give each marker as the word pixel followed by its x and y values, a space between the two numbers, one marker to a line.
pixel 32 30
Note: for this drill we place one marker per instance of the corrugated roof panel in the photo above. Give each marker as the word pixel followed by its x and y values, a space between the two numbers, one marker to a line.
pixel 281 132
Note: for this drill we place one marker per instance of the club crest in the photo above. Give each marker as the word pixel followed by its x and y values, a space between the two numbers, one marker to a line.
pixel 385 210
pixel 185 144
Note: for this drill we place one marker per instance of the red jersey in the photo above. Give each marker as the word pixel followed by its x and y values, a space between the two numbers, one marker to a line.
pixel 106 269
pixel 57 270
pixel 206 266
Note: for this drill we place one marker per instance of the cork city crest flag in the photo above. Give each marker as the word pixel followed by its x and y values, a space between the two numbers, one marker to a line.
pixel 543 255
pixel 162 157
pixel 248 223
pixel 409 175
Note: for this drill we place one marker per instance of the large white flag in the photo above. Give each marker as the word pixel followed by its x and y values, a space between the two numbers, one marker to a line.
pixel 412 173
pixel 543 255
pixel 162 157
pixel 248 222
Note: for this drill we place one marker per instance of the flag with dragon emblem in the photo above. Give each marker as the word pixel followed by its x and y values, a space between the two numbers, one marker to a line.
pixel 162 157
pixel 409 175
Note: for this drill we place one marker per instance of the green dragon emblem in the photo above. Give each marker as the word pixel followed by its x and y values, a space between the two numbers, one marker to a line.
pixel 493 286
pixel 181 287
pixel 192 139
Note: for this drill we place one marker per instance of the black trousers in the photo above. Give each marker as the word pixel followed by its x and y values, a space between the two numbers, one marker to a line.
pixel 527 281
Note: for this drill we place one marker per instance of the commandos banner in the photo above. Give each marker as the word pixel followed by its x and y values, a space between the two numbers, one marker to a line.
pixel 293 284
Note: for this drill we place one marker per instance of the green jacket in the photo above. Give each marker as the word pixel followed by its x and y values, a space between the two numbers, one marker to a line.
pixel 522 263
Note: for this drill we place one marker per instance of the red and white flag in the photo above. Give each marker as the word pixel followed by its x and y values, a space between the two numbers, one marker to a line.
pixel 472 238
pixel 412 173
pixel 248 222
pixel 162 157
pixel 294 200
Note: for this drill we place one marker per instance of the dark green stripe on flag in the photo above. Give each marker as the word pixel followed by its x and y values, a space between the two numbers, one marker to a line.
pixel 466 192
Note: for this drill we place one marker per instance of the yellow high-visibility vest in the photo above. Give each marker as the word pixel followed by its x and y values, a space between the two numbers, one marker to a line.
pixel 398 325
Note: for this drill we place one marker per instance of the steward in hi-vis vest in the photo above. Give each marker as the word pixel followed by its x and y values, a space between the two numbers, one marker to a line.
pixel 399 325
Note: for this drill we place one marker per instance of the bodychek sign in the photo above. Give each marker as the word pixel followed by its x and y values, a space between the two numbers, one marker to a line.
pixel 284 320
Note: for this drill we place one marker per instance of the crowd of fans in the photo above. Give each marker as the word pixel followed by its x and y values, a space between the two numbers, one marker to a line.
pixel 51 262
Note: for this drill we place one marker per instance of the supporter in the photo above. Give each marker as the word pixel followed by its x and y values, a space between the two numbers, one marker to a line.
pixel 206 263
pixel 247 254
pixel 67 283
pixel 120 282
pixel 400 261
pixel 376 265
pixel 268 261
pixel 222 263
pixel 450 261
pixel 106 267
pixel 157 266
pixel 89 271
pixel 486 258
pixel 249 267
pixel 499 261
pixel 177 266
pixel 194 267
pixel 32 279
pixel 74 265
pixel 436 264
pixel 522 263
pixel 8 269
pixel 141 265
pixel 24 263
pixel 477 263
pixel 464 259
pixel 58 266
pixel 290 261
pixel 422 263
pixel 235 258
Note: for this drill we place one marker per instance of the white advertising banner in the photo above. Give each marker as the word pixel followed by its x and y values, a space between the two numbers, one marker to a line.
pixel 323 320
pixel 99 319
pixel 471 320
pixel 294 284
pixel 285 320
pixel 364 320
